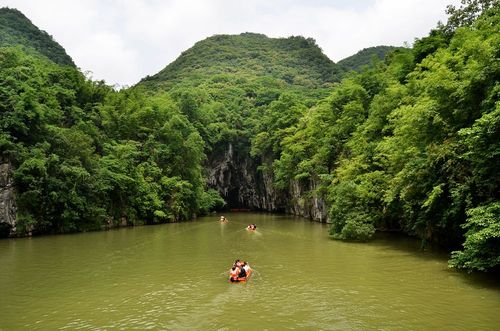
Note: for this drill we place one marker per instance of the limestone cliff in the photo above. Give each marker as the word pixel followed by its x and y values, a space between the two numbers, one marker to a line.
pixel 235 175
pixel 7 199
pixel 306 202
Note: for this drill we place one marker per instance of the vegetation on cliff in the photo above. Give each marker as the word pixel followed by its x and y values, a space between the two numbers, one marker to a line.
pixel 87 156
pixel 365 58
pixel 294 62
pixel 17 30
pixel 409 144
pixel 230 86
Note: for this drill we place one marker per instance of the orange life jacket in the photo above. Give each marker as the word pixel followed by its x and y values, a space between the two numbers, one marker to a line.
pixel 235 273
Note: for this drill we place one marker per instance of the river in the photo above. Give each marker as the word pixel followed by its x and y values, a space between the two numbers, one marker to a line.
pixel 174 276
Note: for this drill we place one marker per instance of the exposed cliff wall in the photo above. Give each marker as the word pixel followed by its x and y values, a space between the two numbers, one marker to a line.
pixel 306 202
pixel 7 199
pixel 233 173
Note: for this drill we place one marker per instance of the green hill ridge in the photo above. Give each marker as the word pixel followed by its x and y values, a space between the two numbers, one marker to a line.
pixel 364 57
pixel 296 61
pixel 17 30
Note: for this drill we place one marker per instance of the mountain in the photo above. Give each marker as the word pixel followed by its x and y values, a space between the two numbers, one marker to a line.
pixel 294 61
pixel 364 58
pixel 17 30
pixel 228 85
pixel 235 86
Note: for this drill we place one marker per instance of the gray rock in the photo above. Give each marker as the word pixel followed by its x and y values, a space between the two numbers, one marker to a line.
pixel 7 196
pixel 235 175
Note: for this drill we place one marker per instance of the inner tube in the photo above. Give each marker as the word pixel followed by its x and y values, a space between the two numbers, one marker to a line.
pixel 241 279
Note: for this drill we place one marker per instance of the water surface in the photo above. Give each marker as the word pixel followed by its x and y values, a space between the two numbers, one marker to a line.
pixel 174 276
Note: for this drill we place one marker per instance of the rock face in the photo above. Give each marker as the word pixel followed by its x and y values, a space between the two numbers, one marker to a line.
pixel 7 199
pixel 233 173
pixel 306 203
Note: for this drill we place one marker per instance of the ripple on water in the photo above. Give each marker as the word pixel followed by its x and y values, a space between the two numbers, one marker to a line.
pixel 173 277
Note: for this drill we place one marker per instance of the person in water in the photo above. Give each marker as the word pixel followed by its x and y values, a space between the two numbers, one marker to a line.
pixel 233 274
pixel 235 271
pixel 243 272
pixel 246 266
pixel 252 227
pixel 239 272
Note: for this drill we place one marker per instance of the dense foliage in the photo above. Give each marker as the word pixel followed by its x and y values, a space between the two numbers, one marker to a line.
pixel 87 156
pixel 296 62
pixel 17 30
pixel 229 85
pixel 365 57
pixel 411 144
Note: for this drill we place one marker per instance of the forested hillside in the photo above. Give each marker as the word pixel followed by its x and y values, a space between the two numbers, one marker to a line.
pixel 295 62
pixel 364 57
pixel 228 86
pixel 17 30
pixel 86 157
pixel 409 143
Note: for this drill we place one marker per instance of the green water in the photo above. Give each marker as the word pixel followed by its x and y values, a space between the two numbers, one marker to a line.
pixel 174 277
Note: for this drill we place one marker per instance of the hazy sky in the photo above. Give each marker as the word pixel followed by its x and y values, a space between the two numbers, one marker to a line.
pixel 122 41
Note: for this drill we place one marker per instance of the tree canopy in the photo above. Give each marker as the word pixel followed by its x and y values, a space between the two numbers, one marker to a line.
pixel 17 30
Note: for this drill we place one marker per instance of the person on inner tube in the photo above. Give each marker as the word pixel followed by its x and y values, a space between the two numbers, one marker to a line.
pixel 233 274
pixel 243 272
pixel 246 266
pixel 235 271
